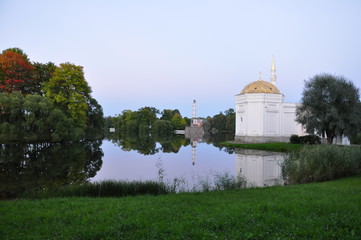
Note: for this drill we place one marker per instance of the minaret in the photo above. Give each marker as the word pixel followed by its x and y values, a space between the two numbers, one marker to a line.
pixel 194 115
pixel 273 72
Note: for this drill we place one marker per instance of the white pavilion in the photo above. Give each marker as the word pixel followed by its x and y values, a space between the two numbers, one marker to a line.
pixel 262 115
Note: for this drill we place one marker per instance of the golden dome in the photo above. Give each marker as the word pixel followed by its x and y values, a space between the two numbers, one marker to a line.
pixel 260 86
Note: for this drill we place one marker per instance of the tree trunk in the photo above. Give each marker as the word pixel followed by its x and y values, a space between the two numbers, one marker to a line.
pixel 330 135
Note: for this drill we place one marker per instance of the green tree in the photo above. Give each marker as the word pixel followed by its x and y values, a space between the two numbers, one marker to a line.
pixel 329 106
pixel 219 122
pixel 230 120
pixel 178 122
pixel 95 120
pixel 69 90
pixel 11 116
pixel 162 127
pixel 44 122
pixel 168 114
pixel 41 75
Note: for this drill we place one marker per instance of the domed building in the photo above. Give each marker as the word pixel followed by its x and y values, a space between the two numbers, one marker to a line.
pixel 261 114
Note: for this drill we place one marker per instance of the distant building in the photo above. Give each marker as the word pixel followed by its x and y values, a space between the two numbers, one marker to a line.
pixel 261 114
pixel 111 130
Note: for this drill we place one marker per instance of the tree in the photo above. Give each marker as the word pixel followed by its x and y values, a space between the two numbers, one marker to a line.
pixel 230 120
pixel 69 90
pixel 15 71
pixel 178 122
pixel 41 75
pixel 95 120
pixel 163 127
pixel 168 114
pixel 330 105
pixel 219 122
pixel 147 116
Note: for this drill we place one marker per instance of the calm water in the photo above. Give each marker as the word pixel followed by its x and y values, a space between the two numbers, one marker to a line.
pixel 130 165
pixel 27 167
pixel 196 162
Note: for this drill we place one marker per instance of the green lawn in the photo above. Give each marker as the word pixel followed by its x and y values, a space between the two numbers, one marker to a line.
pixel 328 210
pixel 273 147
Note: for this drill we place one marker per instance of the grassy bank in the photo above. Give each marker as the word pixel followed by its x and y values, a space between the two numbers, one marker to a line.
pixel 273 147
pixel 328 210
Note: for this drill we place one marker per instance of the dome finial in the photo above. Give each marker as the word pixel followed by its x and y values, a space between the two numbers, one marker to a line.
pixel 273 72
pixel 260 76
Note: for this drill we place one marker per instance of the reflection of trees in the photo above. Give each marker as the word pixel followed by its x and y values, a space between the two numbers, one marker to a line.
pixel 216 139
pixel 173 143
pixel 27 167
pixel 146 144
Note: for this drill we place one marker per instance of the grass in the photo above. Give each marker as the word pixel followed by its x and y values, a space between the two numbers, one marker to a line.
pixel 273 147
pixel 327 210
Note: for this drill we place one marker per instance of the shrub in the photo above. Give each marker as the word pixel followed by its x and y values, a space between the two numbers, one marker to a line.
pixel 321 163
pixel 295 139
pixel 308 139
pixel 356 139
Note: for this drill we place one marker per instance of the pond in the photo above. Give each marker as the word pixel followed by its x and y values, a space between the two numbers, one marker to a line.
pixel 27 167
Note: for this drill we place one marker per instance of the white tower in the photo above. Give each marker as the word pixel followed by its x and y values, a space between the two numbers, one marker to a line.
pixel 194 114
pixel 273 72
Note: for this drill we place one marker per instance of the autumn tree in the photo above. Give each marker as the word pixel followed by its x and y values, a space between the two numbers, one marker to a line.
pixel 69 90
pixel 15 71
pixel 330 106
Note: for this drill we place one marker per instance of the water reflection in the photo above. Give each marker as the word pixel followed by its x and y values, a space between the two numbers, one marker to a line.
pixel 27 167
pixel 259 168
pixel 146 144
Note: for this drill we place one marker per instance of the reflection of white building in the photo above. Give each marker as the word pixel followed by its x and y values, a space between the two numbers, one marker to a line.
pixel 259 168
pixel 261 114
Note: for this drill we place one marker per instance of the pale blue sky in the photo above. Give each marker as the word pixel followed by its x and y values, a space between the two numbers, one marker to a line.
pixel 164 54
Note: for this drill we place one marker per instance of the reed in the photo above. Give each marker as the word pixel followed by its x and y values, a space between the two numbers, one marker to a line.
pixel 109 188
pixel 321 163
pixel 214 181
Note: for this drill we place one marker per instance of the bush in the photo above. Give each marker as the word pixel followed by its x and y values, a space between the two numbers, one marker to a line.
pixel 308 139
pixel 356 139
pixel 321 163
pixel 295 139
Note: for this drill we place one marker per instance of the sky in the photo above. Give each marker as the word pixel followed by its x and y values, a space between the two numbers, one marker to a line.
pixel 165 54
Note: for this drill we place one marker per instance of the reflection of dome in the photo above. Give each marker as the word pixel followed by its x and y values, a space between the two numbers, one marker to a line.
pixel 260 86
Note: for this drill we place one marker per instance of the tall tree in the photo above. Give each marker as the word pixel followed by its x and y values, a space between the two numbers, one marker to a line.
pixel 69 90
pixel 219 122
pixel 178 122
pixel 168 114
pixel 147 116
pixel 230 120
pixel 15 71
pixel 330 105
pixel 41 75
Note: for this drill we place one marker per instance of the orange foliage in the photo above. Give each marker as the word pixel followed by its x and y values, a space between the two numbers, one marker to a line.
pixel 15 71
